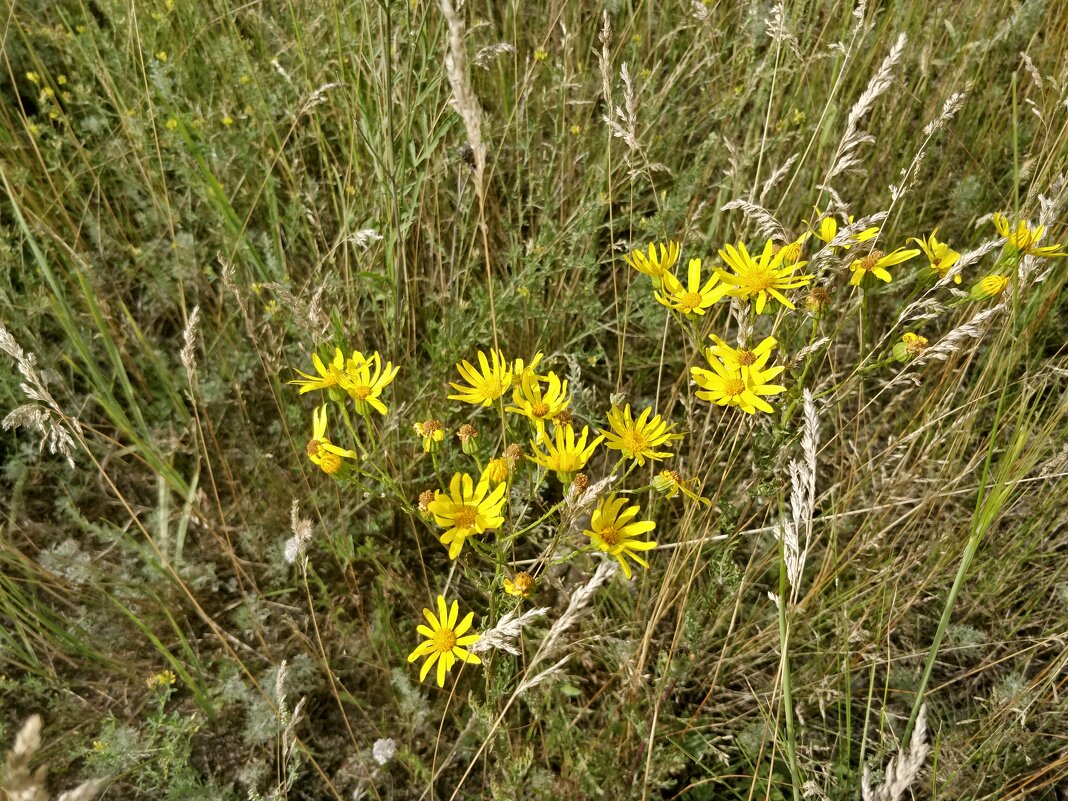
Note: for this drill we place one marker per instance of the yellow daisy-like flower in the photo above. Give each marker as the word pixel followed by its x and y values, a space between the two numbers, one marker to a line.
pixel 329 375
pixel 989 286
pixel 321 450
pixel 531 401
pixel 565 453
pixel 827 229
pixel 748 363
pixel 767 276
pixel 613 530
pixel 658 262
pixel 1025 238
pixel 910 346
pixel 638 439
pixel 522 371
pixel 794 250
pixel 521 586
pixel 669 484
pixel 445 642
pixel 468 509
pixel 692 299
pixel 433 434
pixel 876 263
pixel 498 470
pixel 486 385
pixel 941 255
pixel 726 387
pixel 364 380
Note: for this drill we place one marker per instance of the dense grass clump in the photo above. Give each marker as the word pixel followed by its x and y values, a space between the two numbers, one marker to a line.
pixel 211 578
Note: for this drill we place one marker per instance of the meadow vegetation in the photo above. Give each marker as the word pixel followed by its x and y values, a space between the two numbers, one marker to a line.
pixel 533 401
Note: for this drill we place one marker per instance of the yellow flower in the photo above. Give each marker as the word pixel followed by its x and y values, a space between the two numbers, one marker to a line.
pixel 748 363
pixel 638 438
pixel 613 530
pixel 227 120
pixel 657 263
pixel 487 385
pixel 521 587
pixel 445 641
pixel 161 55
pixel 364 379
pixel 794 250
pixel 530 401
pixel 521 371
pixel 468 509
pixel 33 77
pixel 433 434
pixel 827 230
pixel 321 450
pixel 329 375
pixel 171 124
pixel 910 346
pixel 564 454
pixel 726 387
pixel 760 278
pixel 941 255
pixel 669 484
pixel 541 54
pixel 876 263
pixel 989 287
pixel 164 679
pixel 1025 238
pixel 693 299
pixel 498 470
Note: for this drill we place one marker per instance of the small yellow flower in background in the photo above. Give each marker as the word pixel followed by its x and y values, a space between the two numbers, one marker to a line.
pixel 910 346
pixel 541 54
pixel 486 385
pixel 817 299
pixel 171 124
pixel 637 439
pixel 445 642
pixel 725 387
pixel 576 130
pixel 468 509
pixel 244 80
pixel 658 262
pixel 827 229
pixel 941 255
pixel 329 375
pixel 33 128
pixel 161 55
pixel 748 363
pixel 521 586
pixel 669 484
pixel 990 286
pixel 227 120
pixel 521 371
pixel 765 277
pixel 539 406
pixel 876 263
pixel 433 434
pixel 164 679
pixel 321 450
pixel 793 251
pixel 48 93
pixel 365 379
pixel 565 454
pixel 497 470
pixel 693 299
pixel 1025 238
pixel 613 530
pixel 33 77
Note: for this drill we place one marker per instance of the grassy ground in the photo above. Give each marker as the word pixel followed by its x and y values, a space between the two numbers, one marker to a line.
pixel 197 197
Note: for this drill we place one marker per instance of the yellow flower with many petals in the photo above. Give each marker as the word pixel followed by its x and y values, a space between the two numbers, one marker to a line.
pixel 330 375
pixel 1025 238
pixel 446 642
pixel 659 261
pixel 468 509
pixel 990 286
pixel 876 263
pixel 941 255
pixel 321 450
pixel 726 387
pixel 669 484
pixel 521 586
pixel 487 384
pixel 638 439
pixel 364 380
pixel 748 363
pixel 692 299
pixel 761 278
pixel 827 229
pixel 565 453
pixel 613 530
pixel 531 401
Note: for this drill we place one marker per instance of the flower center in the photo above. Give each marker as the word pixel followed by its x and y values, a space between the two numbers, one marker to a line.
pixel 539 409
pixel 746 357
pixel 361 391
pixel 610 536
pixel 329 462
pixel 444 640
pixel 733 387
pixel 690 301
pixel 634 441
pixel 916 345
pixel 761 280
pixel 491 388
pixel 465 517
pixel 313 448
pixel 870 261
